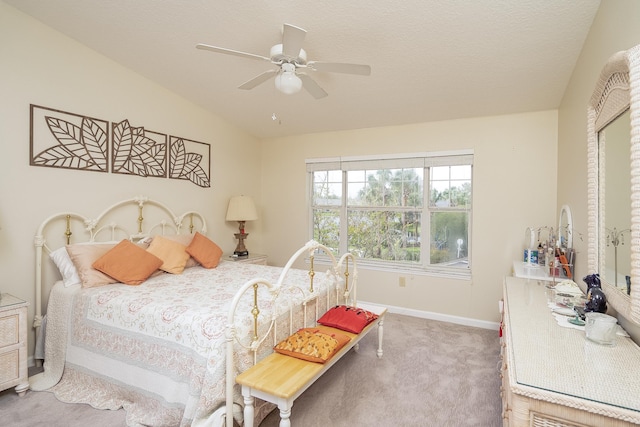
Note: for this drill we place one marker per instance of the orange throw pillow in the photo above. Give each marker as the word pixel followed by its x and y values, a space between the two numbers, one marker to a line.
pixel 312 344
pixel 173 254
pixel 205 251
pixel 128 263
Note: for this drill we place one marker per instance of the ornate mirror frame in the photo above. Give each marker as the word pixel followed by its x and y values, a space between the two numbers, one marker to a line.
pixel 617 90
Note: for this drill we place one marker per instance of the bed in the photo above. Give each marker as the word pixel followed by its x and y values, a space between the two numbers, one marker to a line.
pixel 165 346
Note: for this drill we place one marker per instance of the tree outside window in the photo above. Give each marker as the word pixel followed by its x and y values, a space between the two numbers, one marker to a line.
pixel 383 214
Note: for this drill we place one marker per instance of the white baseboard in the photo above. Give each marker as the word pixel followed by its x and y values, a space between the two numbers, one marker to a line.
pixel 440 317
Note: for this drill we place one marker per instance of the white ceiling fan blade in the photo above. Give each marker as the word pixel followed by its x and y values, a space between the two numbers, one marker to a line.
pixel 335 67
pixel 231 52
pixel 311 86
pixel 292 38
pixel 258 80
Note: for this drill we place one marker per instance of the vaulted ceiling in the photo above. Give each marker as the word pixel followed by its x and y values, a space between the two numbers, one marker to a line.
pixel 430 59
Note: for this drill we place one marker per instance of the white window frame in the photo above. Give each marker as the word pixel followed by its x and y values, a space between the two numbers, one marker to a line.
pixel 423 159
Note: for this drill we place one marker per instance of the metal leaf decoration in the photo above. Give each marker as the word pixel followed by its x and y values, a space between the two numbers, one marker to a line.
pixel 65 140
pixel 184 165
pixel 135 153
pixel 79 147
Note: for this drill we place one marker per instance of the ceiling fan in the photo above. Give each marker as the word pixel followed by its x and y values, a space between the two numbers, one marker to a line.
pixel 290 59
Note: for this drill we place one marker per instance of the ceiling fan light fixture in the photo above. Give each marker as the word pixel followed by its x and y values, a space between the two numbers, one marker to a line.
pixel 286 81
pixel 287 57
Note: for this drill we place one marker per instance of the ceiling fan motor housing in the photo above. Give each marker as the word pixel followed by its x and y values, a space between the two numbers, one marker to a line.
pixel 279 58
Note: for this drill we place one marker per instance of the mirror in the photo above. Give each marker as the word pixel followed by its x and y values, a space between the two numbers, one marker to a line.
pixel 613 141
pixel 565 240
pixel 613 152
pixel 565 229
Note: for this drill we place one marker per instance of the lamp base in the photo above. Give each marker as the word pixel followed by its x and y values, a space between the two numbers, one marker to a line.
pixel 241 249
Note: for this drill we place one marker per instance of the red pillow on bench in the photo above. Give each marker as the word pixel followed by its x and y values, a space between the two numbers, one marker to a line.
pixel 347 318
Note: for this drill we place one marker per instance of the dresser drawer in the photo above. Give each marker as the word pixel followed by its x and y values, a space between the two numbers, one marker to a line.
pixel 9 366
pixel 13 344
pixel 9 330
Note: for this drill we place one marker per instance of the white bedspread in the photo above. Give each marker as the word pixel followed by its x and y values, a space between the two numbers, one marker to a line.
pixel 157 349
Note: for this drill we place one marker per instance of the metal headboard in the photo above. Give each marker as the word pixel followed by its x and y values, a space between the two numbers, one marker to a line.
pixel 111 224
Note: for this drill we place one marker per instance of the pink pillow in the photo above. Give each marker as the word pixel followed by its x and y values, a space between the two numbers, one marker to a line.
pixel 83 255
pixel 203 250
pixel 128 263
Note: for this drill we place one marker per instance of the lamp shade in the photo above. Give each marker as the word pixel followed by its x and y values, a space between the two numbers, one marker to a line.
pixel 241 208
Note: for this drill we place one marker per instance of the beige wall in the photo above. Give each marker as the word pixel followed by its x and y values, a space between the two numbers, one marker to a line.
pixel 615 28
pixel 514 186
pixel 40 66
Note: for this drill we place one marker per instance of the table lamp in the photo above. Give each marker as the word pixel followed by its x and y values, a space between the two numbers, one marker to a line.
pixel 241 209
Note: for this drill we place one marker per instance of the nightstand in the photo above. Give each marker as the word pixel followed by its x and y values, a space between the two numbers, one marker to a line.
pixel 13 344
pixel 251 259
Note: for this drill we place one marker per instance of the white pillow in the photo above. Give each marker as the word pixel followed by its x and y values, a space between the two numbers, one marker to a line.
pixel 68 271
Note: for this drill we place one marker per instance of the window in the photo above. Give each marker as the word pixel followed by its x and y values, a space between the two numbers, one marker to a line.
pixel 378 209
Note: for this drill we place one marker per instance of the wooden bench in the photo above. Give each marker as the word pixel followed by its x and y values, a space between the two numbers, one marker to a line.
pixel 280 379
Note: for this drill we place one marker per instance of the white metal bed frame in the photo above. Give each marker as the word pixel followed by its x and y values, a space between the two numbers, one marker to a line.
pixel 102 228
pixel 345 293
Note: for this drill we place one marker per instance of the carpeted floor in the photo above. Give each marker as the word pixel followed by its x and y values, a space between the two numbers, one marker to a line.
pixel 432 374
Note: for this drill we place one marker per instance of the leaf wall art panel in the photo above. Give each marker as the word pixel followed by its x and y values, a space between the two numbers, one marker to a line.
pixel 137 151
pixel 59 139
pixel 190 160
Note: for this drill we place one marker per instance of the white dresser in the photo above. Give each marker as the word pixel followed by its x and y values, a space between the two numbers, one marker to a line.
pixel 13 344
pixel 553 376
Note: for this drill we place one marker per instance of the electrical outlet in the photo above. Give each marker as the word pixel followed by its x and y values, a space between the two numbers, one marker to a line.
pixel 402 281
